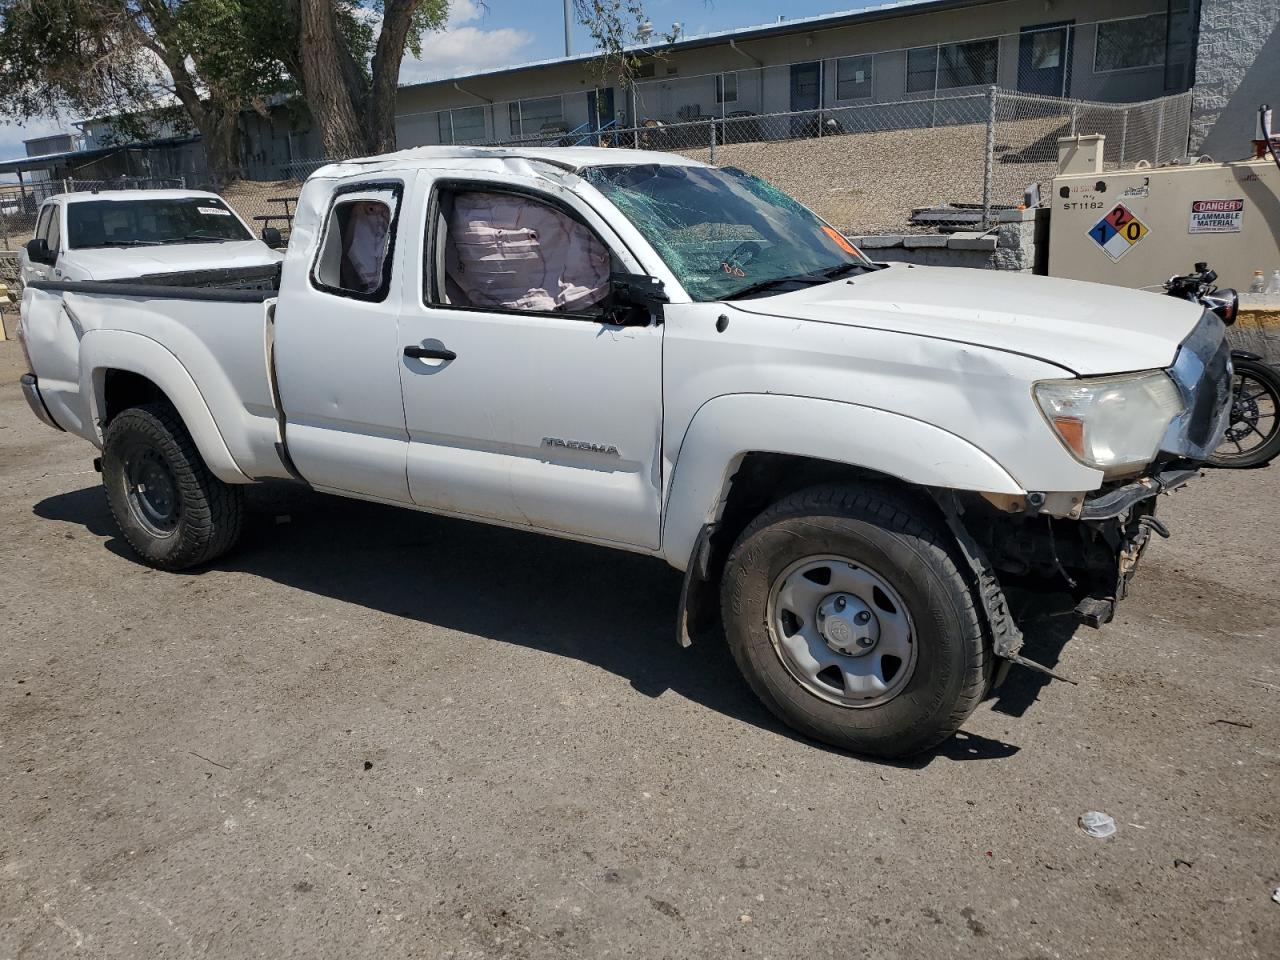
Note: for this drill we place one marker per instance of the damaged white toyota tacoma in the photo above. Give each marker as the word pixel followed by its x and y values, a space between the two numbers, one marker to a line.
pixel 850 461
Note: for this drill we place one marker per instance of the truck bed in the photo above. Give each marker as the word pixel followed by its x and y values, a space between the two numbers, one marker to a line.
pixel 207 349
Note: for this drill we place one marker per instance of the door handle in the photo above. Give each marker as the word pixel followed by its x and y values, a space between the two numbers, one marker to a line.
pixel 429 353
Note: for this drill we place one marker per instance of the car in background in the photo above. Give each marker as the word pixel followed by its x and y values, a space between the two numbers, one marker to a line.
pixel 185 237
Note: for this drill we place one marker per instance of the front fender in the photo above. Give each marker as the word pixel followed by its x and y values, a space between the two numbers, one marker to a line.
pixel 103 350
pixel 726 428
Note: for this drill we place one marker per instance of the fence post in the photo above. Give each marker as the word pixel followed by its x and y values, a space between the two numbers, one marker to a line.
pixel 1075 117
pixel 635 119
pixel 989 160
pixel 1124 135
pixel 713 139
pixel 1155 161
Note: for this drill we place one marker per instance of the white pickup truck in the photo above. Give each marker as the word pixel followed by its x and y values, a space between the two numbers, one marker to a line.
pixel 184 237
pixel 849 460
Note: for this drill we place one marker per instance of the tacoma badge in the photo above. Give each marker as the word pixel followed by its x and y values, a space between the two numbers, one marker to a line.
pixel 608 450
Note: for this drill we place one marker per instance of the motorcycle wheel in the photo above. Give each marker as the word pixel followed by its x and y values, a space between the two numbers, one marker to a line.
pixel 1253 436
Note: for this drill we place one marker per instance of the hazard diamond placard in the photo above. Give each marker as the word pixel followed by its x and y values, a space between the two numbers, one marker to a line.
pixel 1118 232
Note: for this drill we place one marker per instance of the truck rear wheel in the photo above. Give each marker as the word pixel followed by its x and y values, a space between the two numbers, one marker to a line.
pixel 849 617
pixel 170 508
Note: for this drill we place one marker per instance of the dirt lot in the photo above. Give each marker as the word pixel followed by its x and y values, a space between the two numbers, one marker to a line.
pixel 377 733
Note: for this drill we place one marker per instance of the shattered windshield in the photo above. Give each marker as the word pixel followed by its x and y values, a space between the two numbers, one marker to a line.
pixel 725 233
pixel 151 222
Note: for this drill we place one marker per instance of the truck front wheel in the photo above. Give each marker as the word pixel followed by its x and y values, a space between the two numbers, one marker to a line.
pixel 849 617
pixel 170 508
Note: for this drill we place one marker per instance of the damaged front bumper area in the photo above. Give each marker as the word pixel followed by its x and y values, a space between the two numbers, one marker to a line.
pixel 1092 556
pixel 1089 545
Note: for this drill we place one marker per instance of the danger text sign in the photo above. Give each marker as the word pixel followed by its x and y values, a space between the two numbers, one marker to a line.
pixel 1216 216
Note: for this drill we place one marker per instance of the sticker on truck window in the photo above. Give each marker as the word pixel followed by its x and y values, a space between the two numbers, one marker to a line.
pixel 1118 232
pixel 215 211
pixel 1216 216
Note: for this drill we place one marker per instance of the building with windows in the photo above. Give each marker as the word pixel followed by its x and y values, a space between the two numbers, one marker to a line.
pixel 1101 50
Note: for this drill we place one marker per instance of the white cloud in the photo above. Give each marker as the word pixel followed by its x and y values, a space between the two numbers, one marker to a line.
pixel 462 48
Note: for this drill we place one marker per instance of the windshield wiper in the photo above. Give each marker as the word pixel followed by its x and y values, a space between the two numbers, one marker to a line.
pixel 199 238
pixel 129 243
pixel 840 269
pixel 763 285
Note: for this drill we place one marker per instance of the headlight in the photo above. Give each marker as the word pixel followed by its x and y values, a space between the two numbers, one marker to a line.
pixel 1112 423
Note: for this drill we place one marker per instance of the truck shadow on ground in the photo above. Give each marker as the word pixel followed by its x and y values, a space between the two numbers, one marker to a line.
pixel 610 609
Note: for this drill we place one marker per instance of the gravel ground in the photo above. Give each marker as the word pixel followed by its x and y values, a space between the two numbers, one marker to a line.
pixel 373 733
pixel 870 182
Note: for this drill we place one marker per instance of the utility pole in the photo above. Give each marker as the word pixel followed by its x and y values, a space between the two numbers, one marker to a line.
pixel 568 26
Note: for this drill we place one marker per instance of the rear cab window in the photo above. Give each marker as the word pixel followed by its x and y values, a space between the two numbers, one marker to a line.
pixel 357 245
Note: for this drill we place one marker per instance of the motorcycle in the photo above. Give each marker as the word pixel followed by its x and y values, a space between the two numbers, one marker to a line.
pixel 1253 435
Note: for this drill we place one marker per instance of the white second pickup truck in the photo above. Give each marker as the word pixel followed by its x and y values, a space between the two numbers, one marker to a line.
pixel 184 237
pixel 850 460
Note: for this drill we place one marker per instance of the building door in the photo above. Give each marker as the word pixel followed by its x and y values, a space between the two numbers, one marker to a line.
pixel 806 94
pixel 1044 59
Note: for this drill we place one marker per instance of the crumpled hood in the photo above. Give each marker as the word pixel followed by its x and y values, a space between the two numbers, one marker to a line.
pixel 117 263
pixel 1087 328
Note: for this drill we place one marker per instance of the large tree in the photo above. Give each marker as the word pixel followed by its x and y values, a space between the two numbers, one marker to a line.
pixel 346 56
pixel 143 63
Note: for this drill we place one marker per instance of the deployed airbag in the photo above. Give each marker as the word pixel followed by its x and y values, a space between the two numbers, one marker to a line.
pixel 510 252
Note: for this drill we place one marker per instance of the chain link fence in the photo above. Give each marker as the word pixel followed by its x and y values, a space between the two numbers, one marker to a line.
pixel 917 165
pixel 1024 132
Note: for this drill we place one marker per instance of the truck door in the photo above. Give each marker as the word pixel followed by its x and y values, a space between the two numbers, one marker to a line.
pixel 523 402
pixel 336 351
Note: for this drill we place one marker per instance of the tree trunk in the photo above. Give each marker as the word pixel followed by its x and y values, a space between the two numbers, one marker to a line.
pixel 217 121
pixel 222 145
pixel 387 57
pixel 334 104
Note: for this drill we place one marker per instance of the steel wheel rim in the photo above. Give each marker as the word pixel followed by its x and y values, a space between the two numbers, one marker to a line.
pixel 1253 418
pixel 842 631
pixel 151 492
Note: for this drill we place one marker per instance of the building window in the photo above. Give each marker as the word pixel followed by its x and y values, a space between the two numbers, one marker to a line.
pixel 971 64
pixel 1130 44
pixel 536 118
pixel 853 78
pixel 922 69
pixel 726 88
pixel 463 125
pixel 968 64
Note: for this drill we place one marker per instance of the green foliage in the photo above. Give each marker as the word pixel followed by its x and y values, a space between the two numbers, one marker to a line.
pixel 128 58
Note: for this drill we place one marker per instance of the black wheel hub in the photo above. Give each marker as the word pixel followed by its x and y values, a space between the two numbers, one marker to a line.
pixel 1253 419
pixel 151 492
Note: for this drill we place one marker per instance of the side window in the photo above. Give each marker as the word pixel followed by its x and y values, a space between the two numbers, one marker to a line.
pixel 42 225
pixel 509 251
pixel 356 248
pixel 55 228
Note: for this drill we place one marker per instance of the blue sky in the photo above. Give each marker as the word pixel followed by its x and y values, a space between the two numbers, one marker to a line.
pixel 499 33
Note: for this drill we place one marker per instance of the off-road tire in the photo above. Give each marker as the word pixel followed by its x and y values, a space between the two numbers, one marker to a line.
pixel 909 546
pixel 209 512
